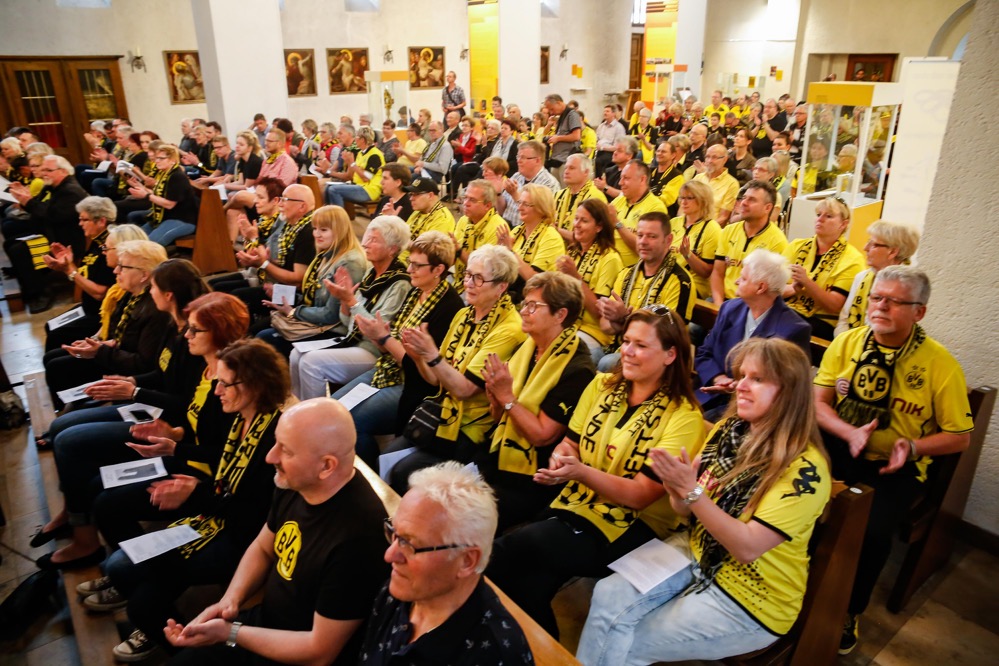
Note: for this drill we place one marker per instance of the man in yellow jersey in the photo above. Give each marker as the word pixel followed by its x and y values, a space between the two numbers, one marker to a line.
pixel 717 105
pixel 477 227
pixel 429 212
pixel 740 238
pixel 635 200
pixel 888 397
pixel 578 178
pixel 657 278
pixel 723 185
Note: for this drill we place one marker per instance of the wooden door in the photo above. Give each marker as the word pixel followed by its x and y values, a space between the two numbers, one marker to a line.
pixel 37 98
pixel 95 93
pixel 636 62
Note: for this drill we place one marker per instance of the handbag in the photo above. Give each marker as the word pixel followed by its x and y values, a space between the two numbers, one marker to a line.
pixel 421 429
pixel 293 329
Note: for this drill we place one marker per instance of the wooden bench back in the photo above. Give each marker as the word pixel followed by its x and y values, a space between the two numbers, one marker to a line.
pixel 210 242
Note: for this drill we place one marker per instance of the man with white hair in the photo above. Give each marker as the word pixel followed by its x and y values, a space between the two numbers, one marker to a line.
pixel 52 215
pixel 757 311
pixel 436 608
pixel 316 558
pixel 723 185
pixel 578 177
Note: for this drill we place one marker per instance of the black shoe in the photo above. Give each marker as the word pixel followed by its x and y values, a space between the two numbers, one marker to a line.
pixel 40 303
pixel 41 538
pixel 851 634
pixel 45 562
pixel 8 272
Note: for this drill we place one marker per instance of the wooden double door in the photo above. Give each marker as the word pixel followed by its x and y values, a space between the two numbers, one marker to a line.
pixel 58 98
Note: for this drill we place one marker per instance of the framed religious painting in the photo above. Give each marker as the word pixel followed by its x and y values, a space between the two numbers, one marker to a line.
pixel 348 70
pixel 300 72
pixel 183 70
pixel 426 67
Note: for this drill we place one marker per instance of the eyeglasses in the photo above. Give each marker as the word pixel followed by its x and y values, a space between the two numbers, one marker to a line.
pixel 525 204
pixel 226 385
pixel 871 243
pixel 878 299
pixel 523 157
pixel 417 264
pixel 292 199
pixel 477 280
pixel 409 549
pixel 105 248
pixel 687 198
pixel 530 307
pixel 192 330
pixel 473 200
pixel 123 267
pixel 659 310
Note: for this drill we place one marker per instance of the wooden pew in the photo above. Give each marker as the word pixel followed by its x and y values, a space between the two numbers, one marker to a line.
pixel 312 182
pixel 210 242
pixel 547 651
pixel 930 529
pixel 814 638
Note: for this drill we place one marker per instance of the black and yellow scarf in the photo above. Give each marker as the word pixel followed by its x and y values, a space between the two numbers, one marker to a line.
pixel 273 156
pixel 156 212
pixel 418 221
pixel 801 303
pixel 411 315
pixel 858 307
pixel 371 288
pixel 606 444
pixel 528 244
pixel 531 386
pixel 287 238
pixel 719 456
pixel 471 240
pixel 655 285
pixel 566 203
pixel 869 394
pixel 318 267
pixel 586 262
pixel 459 355
pixel 659 179
pixel 126 314
pixel 236 458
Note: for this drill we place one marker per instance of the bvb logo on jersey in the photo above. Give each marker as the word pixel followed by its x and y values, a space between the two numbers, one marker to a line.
pixel 914 378
pixel 287 544
pixel 871 383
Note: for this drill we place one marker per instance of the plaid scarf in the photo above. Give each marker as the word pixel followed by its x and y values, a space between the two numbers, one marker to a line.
pixel 805 305
pixel 527 245
pixel 287 238
pixel 126 314
pixel 411 315
pixel 157 212
pixel 858 307
pixel 371 288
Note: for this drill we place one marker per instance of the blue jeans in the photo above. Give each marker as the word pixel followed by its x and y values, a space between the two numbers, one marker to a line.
pixel 608 362
pixel 101 186
pixel 77 417
pixel 374 416
pixel 337 193
pixel 168 231
pixel 625 626
pixel 79 454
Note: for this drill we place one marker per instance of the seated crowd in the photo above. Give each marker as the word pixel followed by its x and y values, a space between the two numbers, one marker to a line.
pixel 543 338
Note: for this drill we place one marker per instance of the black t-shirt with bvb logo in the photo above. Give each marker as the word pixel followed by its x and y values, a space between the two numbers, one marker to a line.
pixel 329 559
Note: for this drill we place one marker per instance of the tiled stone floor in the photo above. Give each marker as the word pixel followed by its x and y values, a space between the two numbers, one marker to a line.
pixel 954 619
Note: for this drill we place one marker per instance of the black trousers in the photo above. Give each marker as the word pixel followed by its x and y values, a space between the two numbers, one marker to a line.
pixel 893 495
pixel 462 450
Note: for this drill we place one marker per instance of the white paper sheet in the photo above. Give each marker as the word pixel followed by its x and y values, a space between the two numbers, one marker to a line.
pixel 4 183
pixel 7 196
pixel 101 168
pixel 387 461
pixel 650 564
pixel 284 294
pixel 29 237
pixel 132 413
pixel 156 543
pixel 65 318
pixel 314 170
pixel 312 345
pixel 75 393
pixel 133 471
pixel 357 395
pixel 220 188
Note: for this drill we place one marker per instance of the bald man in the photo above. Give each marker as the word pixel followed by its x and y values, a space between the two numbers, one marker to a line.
pixel 324 540
pixel 283 259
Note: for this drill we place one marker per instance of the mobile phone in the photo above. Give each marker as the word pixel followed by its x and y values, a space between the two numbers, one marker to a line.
pixel 142 416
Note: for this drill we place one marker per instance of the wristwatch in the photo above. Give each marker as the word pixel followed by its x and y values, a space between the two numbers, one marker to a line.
pixel 231 641
pixel 508 406
pixel 72 276
pixel 693 495
pixel 619 225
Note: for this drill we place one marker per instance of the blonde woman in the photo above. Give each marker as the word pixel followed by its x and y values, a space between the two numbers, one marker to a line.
pixel 696 234
pixel 536 241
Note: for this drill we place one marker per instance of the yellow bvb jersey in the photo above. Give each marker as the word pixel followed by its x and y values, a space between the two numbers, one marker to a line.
pixel 735 245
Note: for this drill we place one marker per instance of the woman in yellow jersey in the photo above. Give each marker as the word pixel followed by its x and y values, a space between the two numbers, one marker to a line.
pixel 752 499
pixel 317 314
pixel 536 242
pixel 888 244
pixel 696 234
pixel 611 501
pixel 226 508
pixel 213 321
pixel 489 325
pixel 593 260
pixel 823 268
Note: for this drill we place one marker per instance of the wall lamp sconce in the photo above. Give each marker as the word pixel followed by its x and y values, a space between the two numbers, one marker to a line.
pixel 387 55
pixel 136 61
pixel 464 52
pixel 565 52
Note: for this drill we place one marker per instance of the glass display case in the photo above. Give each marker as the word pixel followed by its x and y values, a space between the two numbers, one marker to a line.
pixel 388 92
pixel 846 147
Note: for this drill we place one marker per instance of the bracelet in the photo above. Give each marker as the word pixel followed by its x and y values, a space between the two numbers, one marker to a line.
pixel 263 266
pixel 135 392
pixel 693 495
pixel 234 629
pixel 72 276
pixel 382 340
pixel 436 361
pixel 912 450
